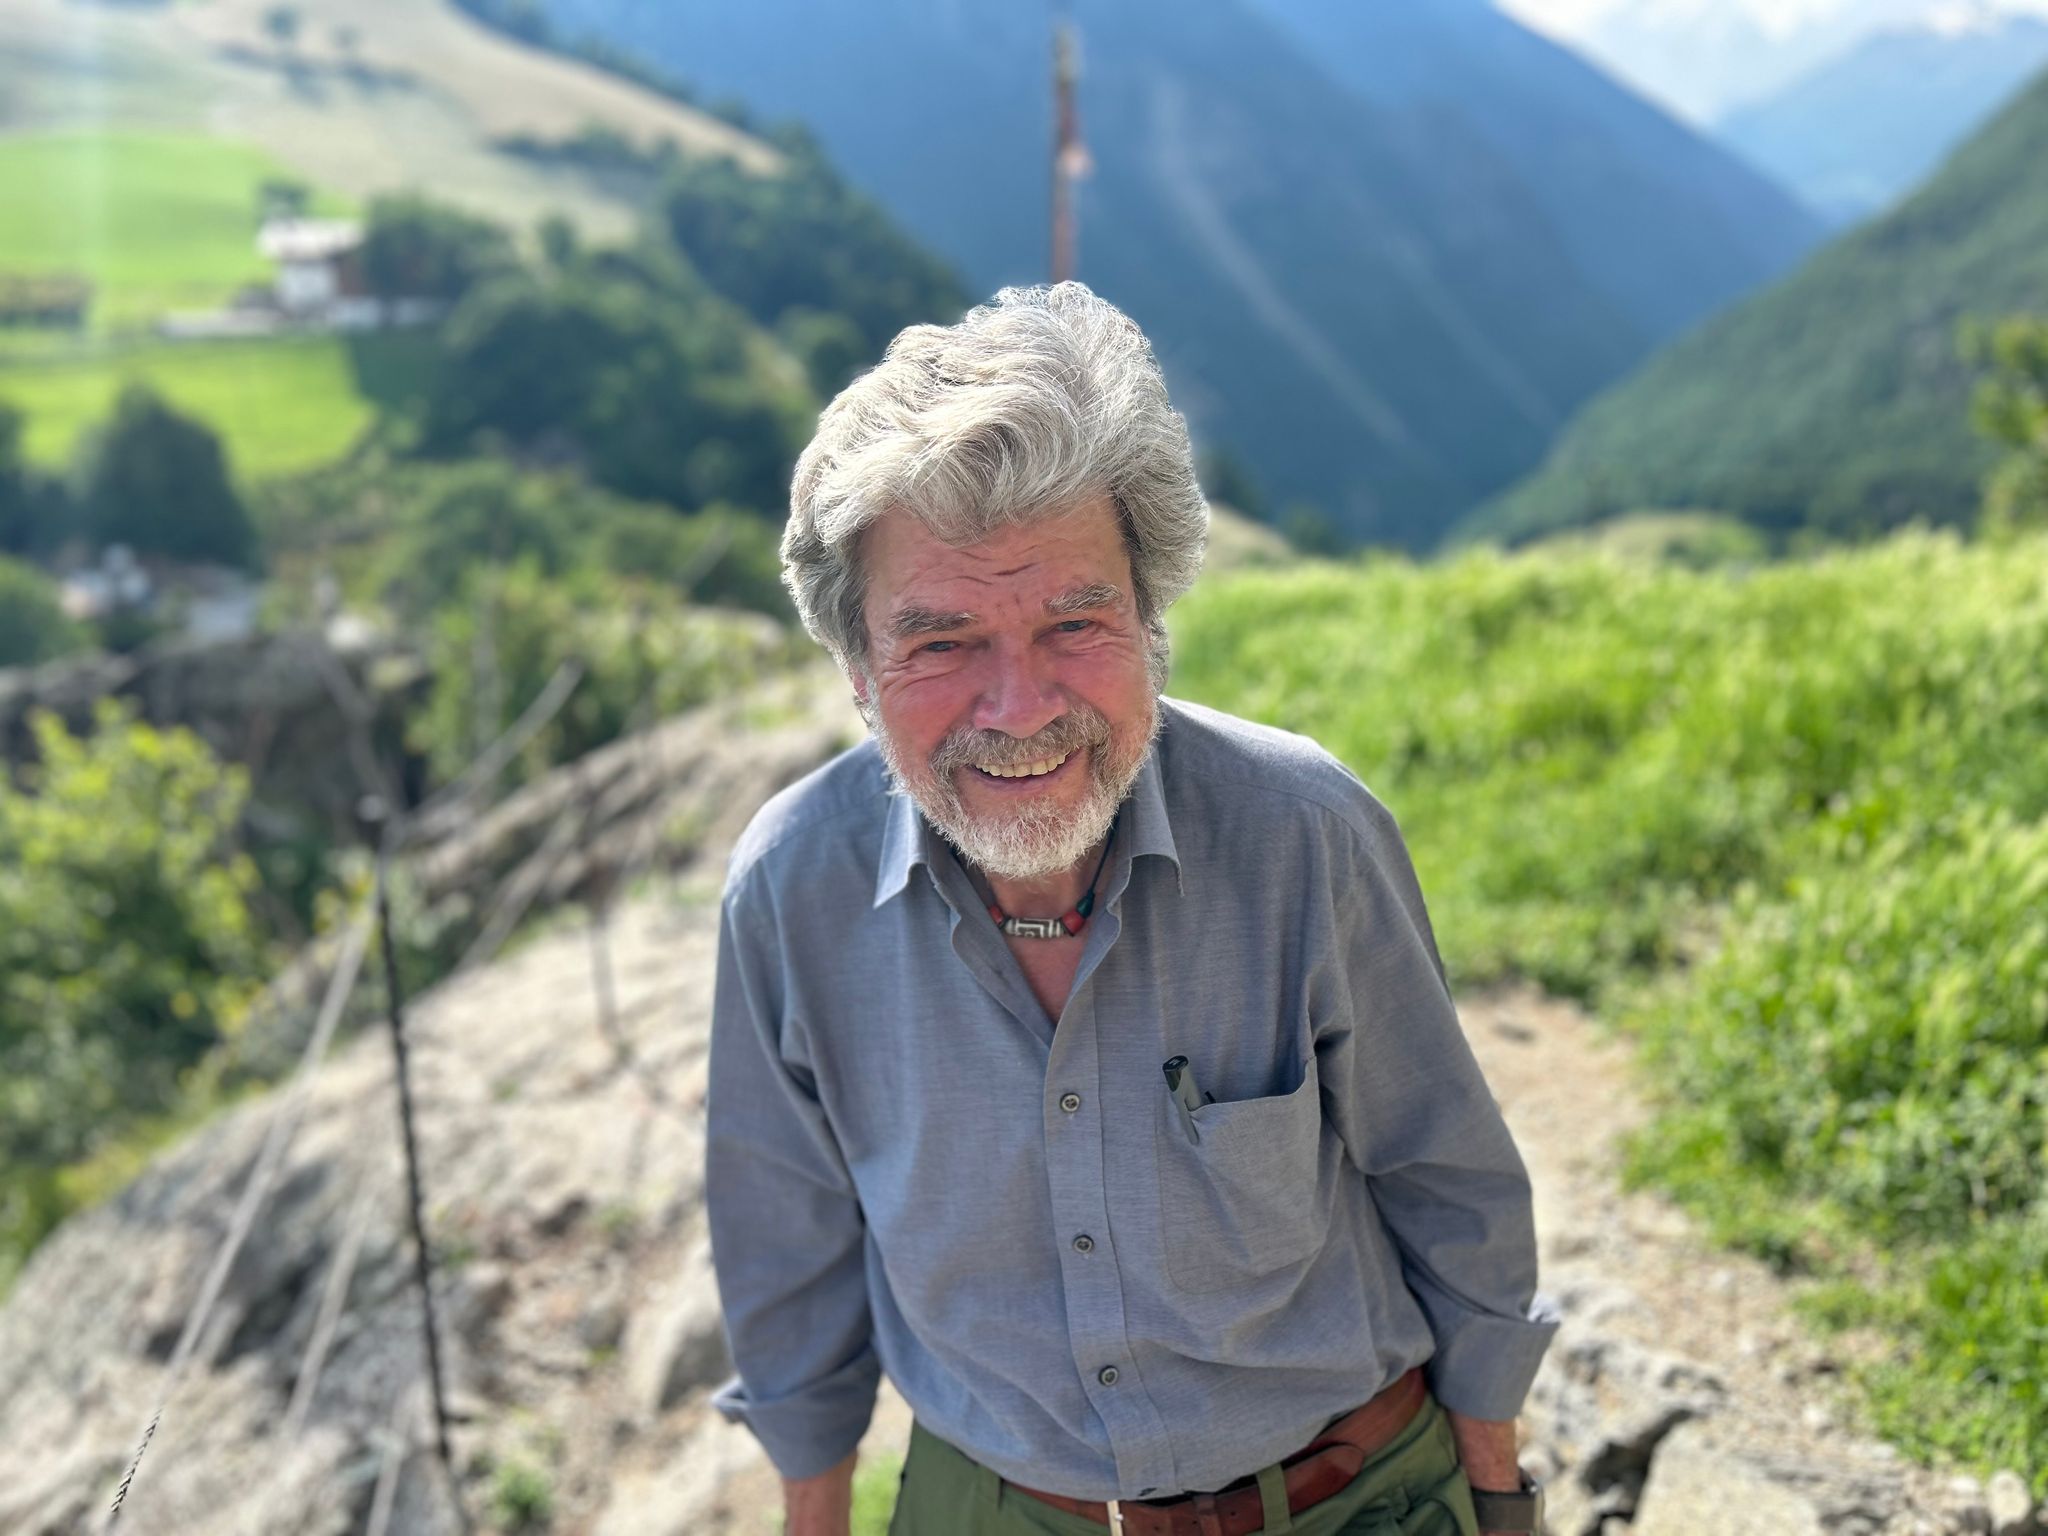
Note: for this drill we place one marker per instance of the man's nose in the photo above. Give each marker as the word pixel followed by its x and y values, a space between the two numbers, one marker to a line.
pixel 1020 698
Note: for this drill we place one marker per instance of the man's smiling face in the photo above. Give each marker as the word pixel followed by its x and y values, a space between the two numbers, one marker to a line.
pixel 1009 683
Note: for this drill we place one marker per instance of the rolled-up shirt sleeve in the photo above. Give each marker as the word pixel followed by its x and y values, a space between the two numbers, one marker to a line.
pixel 787 1234
pixel 1420 1123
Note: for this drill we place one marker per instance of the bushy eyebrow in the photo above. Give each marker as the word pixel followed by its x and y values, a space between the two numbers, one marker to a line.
pixel 1101 594
pixel 911 622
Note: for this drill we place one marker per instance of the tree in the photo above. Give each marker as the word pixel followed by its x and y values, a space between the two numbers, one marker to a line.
pixel 33 627
pixel 414 248
pixel 34 510
pixel 17 532
pixel 282 23
pixel 157 481
pixel 621 364
pixel 804 237
pixel 2011 408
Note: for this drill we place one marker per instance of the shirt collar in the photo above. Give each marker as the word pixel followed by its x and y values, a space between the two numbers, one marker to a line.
pixel 909 840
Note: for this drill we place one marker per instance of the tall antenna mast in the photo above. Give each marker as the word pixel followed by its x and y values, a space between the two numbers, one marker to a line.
pixel 1070 161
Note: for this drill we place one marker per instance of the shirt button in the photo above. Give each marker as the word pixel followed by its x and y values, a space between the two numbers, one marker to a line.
pixel 1107 1375
pixel 1084 1244
pixel 1070 1102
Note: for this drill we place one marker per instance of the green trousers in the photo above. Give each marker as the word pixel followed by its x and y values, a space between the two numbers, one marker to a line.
pixel 1412 1487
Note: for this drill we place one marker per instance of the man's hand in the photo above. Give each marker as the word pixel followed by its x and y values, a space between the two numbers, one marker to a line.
pixel 822 1505
pixel 1486 1447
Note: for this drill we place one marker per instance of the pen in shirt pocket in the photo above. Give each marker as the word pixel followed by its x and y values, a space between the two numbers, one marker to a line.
pixel 1180 1083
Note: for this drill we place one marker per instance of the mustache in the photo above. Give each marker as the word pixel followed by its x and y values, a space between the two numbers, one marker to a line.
pixel 1081 726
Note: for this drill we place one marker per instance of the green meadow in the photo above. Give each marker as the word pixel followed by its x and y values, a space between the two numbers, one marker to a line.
pixel 157 221
pixel 280 405
pixel 164 222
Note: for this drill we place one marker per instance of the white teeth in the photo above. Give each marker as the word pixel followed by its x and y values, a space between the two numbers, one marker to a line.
pixel 1025 770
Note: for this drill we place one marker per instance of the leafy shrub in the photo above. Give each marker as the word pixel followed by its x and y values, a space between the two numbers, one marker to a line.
pixel 407 536
pixel 128 948
pixel 645 653
pixel 2011 408
pixel 33 627
pixel 522 1497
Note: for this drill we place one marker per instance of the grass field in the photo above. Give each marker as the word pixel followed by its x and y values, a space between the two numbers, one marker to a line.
pixel 157 221
pixel 279 405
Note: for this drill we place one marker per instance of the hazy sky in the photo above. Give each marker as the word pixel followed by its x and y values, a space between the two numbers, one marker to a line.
pixel 1704 57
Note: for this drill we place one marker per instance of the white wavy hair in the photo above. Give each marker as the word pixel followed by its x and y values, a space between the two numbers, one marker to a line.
pixel 1044 399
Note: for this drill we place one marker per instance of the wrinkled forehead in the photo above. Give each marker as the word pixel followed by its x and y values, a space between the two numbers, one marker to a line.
pixel 1064 562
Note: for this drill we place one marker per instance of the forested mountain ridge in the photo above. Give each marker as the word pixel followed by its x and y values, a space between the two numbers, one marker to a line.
pixel 1838 400
pixel 1365 299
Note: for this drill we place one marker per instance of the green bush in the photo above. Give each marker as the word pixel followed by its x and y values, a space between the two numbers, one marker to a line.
pixel 645 653
pixel 407 536
pixel 33 627
pixel 2011 409
pixel 128 947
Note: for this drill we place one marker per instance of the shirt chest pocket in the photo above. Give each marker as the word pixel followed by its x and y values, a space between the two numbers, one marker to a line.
pixel 1247 1198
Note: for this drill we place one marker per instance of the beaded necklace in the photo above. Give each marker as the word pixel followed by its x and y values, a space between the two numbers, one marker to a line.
pixel 1058 927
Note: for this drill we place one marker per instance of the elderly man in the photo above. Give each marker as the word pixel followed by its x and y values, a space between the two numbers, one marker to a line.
pixel 1082 1058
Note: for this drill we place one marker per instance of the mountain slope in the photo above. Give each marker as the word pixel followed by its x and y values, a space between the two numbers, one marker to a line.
pixel 1664 221
pixel 1858 133
pixel 1365 300
pixel 368 96
pixel 1836 401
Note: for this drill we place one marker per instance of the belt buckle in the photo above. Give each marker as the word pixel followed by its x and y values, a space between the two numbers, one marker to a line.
pixel 1116 1517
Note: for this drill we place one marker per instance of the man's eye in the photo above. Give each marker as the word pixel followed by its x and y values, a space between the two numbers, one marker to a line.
pixel 937 647
pixel 1074 626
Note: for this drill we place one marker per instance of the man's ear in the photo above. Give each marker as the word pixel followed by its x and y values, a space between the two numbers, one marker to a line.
pixel 857 675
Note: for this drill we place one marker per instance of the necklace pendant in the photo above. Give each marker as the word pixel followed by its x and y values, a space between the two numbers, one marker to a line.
pixel 1034 928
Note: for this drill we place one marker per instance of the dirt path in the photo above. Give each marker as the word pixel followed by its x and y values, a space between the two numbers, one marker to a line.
pixel 1681 1394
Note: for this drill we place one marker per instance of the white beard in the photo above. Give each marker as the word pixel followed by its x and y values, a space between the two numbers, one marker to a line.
pixel 1035 841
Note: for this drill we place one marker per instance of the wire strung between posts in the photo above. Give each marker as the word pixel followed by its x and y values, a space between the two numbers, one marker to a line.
pixel 443 806
pixel 333 1302
pixel 284 1123
pixel 355 710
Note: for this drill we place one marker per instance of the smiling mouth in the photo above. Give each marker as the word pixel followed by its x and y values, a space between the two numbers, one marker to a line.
pixel 1037 770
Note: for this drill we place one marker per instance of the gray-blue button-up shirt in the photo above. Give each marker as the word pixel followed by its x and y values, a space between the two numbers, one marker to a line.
pixel 912 1169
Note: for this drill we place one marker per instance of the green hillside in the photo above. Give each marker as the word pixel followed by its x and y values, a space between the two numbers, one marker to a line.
pixel 1836 401
pixel 1777 822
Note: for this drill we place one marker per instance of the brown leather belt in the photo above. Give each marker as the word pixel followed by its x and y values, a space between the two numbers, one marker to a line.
pixel 1320 1468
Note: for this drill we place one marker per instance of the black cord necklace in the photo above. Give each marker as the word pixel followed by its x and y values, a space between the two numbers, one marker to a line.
pixel 1059 927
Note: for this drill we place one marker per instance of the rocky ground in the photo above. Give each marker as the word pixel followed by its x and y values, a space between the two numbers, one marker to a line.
pixel 561 1143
